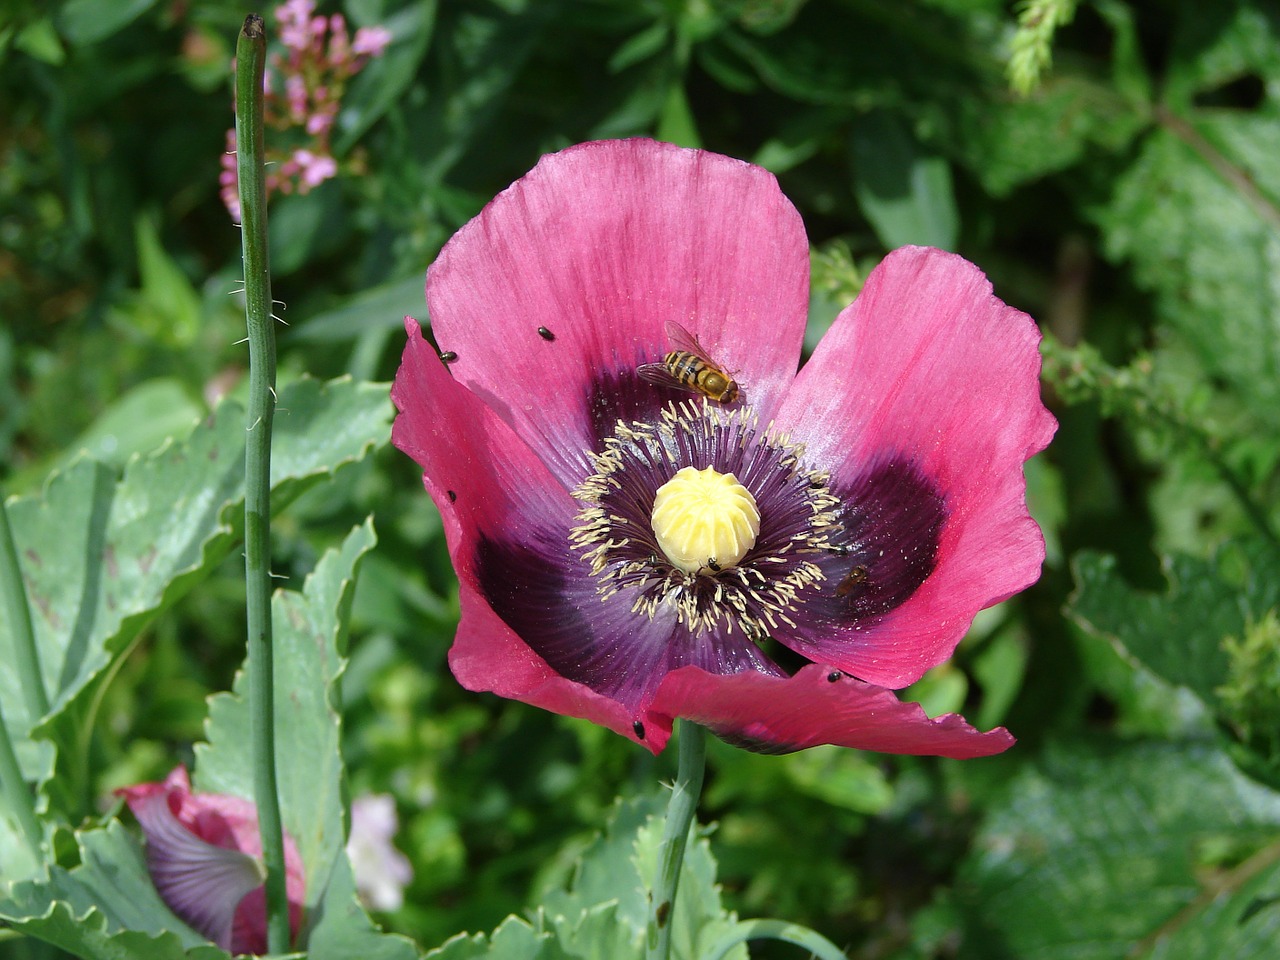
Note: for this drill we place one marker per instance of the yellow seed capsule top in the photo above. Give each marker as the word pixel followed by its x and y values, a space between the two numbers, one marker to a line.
pixel 705 520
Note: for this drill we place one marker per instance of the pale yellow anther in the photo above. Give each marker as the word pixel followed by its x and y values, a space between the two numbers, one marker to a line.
pixel 704 520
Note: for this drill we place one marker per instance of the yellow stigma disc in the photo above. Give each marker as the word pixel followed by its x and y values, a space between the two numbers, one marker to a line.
pixel 705 520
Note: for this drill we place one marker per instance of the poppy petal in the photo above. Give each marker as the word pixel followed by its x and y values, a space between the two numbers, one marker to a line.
pixel 572 273
pixel 929 369
pixel 818 705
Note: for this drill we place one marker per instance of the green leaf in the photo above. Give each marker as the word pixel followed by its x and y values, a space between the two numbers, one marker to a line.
pixel 513 940
pixel 101 553
pixel 87 21
pixel 384 81
pixel 1198 214
pixel 1097 851
pixel 383 306
pixel 107 907
pixel 904 191
pixel 309 631
pixel 602 913
pixel 1178 635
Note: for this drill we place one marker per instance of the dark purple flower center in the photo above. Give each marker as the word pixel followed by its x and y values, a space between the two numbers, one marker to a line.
pixel 604 606
pixel 615 534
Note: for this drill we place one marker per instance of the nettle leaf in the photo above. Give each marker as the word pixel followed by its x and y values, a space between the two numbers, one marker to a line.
pixel 602 913
pixel 102 552
pixel 309 642
pixel 107 907
pixel 1178 635
pixel 1056 868
pixel 1198 213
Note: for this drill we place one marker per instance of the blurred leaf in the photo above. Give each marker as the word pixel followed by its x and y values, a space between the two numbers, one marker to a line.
pixel 1006 141
pixel 1179 635
pixel 106 908
pixel 40 40
pixel 101 553
pixel 1106 851
pixel 904 191
pixel 87 21
pixel 676 123
pixel 383 306
pixel 385 79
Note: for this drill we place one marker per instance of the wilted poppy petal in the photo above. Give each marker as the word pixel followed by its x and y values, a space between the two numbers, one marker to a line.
pixel 570 276
pixel 929 371
pixel 818 705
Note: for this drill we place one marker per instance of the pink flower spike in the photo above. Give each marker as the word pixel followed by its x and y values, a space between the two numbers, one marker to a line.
pixel 371 41
pixel 203 853
pixel 636 537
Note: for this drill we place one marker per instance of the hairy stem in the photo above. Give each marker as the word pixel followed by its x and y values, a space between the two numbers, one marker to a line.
pixel 251 53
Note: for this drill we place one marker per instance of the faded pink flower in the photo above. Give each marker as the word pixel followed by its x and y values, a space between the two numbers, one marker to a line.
pixel 203 853
pixel 381 871
pixel 885 475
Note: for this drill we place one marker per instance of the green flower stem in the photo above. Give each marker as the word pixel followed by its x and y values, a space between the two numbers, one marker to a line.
pixel 17 799
pixel 692 764
pixel 818 945
pixel 251 55
pixel 25 654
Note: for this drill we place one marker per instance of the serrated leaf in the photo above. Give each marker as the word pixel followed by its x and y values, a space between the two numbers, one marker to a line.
pixel 1095 851
pixel 309 639
pixel 107 907
pixel 602 914
pixel 101 552
pixel 698 919
pixel 513 940
pixel 1178 635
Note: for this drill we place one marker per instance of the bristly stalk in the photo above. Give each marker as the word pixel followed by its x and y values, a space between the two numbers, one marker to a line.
pixel 251 55
pixel 691 767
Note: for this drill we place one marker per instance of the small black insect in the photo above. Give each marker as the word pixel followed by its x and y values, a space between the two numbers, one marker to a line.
pixel 713 564
pixel 841 551
pixel 453 497
pixel 834 676
pixel 546 334
pixel 448 356
pixel 638 727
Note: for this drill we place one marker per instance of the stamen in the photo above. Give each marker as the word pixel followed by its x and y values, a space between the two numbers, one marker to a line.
pixel 705 516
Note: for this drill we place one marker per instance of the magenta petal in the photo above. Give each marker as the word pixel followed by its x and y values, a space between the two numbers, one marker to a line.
pixel 599 246
pixel 818 705
pixel 202 883
pixel 203 850
pixel 928 368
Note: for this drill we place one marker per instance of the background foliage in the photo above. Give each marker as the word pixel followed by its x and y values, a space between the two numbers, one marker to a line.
pixel 1130 201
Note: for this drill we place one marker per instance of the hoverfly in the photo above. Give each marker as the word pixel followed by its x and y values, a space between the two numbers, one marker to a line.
pixel 851 579
pixel 688 367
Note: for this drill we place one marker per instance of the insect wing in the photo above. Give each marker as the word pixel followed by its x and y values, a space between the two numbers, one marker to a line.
pixel 682 339
pixel 660 376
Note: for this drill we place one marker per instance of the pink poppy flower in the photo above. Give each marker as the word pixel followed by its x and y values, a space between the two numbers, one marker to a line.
pixel 840 526
pixel 203 852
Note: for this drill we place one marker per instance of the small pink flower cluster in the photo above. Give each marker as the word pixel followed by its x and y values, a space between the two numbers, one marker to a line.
pixel 304 89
